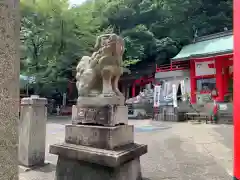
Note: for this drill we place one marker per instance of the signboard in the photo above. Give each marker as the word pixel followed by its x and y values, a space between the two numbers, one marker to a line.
pixel 174 92
pixel 223 107
pixel 166 89
pixel 156 98
pixel 205 68
pixel 183 90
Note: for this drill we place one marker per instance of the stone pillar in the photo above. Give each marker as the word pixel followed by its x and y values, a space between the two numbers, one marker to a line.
pixel 99 144
pixel 32 131
pixel 9 88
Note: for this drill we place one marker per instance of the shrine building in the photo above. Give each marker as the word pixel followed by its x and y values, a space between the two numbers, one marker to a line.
pixel 205 65
pixel 142 74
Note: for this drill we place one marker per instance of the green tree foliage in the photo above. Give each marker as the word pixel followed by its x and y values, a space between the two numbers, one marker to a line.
pixel 55 36
pixel 53 40
pixel 163 26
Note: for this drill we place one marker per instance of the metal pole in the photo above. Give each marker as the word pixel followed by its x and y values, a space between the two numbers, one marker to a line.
pixel 27 90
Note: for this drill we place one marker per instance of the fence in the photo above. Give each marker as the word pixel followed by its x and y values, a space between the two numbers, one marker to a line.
pixel 168 113
pixel 178 65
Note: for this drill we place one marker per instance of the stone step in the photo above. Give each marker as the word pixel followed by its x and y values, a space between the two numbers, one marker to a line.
pixel 68 169
pixel 102 157
pixel 99 136
pixel 100 101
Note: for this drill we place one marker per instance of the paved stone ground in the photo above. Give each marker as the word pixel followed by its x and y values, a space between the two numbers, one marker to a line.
pixel 176 151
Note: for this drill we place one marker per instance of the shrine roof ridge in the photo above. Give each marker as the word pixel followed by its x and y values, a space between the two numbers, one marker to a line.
pixel 213 36
pixel 206 46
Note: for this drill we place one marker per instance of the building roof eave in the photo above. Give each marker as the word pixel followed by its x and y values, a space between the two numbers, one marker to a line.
pixel 207 46
pixel 206 55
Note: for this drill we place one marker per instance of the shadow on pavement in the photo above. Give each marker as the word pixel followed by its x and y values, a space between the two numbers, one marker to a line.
pixel 47 169
pixel 59 119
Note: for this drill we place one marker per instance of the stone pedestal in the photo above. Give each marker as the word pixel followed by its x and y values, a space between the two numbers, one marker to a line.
pixel 99 145
pixel 107 115
pixel 98 136
pixel 81 162
pixel 32 131
pixel 72 170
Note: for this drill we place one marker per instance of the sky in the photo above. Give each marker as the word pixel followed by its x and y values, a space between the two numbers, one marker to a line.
pixel 72 2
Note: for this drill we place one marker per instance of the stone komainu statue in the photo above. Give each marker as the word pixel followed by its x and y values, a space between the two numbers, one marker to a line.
pixel 100 73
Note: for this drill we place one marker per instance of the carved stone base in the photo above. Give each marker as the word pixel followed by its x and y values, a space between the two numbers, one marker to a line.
pixel 108 158
pixel 99 136
pixel 68 169
pixel 110 115
pixel 76 162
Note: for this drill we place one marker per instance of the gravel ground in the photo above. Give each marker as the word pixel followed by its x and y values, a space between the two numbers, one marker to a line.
pixel 176 151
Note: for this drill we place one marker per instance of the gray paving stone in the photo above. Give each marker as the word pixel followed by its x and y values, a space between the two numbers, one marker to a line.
pixel 174 153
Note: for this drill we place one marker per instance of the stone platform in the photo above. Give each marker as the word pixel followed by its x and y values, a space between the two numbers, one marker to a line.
pixel 99 136
pixel 76 162
pixel 108 158
pixel 75 170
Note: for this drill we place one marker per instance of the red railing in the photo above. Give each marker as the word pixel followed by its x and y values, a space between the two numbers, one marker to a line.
pixel 144 80
pixel 178 65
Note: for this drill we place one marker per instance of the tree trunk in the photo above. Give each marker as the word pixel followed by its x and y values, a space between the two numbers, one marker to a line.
pixel 9 88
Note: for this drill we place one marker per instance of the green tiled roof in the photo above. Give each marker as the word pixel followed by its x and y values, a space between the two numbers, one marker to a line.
pixel 210 45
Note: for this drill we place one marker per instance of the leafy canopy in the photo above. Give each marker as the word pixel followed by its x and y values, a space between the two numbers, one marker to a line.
pixel 55 37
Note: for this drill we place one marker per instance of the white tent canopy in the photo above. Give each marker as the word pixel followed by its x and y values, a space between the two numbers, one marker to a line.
pixel 25 80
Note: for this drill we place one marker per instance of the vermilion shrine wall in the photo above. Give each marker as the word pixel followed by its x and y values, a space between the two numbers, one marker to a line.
pixel 217 67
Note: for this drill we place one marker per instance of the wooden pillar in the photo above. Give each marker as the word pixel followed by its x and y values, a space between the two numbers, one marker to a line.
pixel 133 90
pixel 9 88
pixel 193 82
pixel 219 79
pixel 226 79
pixel 236 93
pixel 70 87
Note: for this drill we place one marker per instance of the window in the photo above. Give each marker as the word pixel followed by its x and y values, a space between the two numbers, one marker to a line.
pixel 206 84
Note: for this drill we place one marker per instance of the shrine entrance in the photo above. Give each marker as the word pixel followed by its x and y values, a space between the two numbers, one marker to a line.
pixel 211 60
